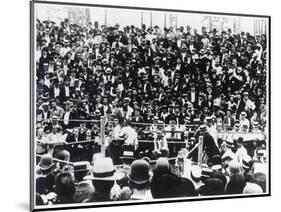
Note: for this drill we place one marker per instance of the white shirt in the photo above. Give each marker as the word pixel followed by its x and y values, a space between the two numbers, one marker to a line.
pixel 160 143
pixel 129 112
pixel 47 82
pixel 192 97
pixel 116 131
pixel 130 135
pixel 249 104
pixel 141 196
pixel 56 92
pixel 176 134
pixel 65 50
pixel 149 37
pixel 244 122
pixel 241 154
pixel 67 91
pixel 45 114
pixel 66 117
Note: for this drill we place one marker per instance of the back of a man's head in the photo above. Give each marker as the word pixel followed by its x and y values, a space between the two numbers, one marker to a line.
pixel 65 186
pixel 103 186
pixel 236 184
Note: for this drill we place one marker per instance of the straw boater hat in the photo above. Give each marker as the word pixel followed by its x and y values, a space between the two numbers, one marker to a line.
pixel 108 70
pixel 229 142
pixel 196 172
pixel 103 169
pixel 82 166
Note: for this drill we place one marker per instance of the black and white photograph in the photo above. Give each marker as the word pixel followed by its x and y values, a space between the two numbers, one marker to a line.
pixel 146 105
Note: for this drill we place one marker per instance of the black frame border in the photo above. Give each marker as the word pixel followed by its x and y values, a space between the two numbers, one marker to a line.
pixel 31 103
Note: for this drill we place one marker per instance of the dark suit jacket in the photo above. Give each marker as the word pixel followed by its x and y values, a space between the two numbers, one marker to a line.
pixel 209 146
pixel 228 122
pixel 70 124
pixel 63 96
pixel 140 119
pixel 240 108
pixel 196 98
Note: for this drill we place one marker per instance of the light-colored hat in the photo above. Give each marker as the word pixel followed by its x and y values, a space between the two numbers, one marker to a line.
pixel 216 167
pixel 196 171
pixel 252 188
pixel 108 70
pixel 103 169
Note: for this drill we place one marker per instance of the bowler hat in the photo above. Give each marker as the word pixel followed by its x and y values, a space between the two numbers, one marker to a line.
pixel 139 173
pixel 46 162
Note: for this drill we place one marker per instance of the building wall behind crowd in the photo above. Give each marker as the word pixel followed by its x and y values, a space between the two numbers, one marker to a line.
pixel 124 17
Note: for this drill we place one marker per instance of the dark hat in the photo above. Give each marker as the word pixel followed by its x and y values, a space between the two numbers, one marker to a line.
pixel 216 160
pixel 150 29
pixel 46 162
pixel 139 173
pixel 203 127
pixel 82 166
pixel 240 140
pixel 237 125
pixel 243 114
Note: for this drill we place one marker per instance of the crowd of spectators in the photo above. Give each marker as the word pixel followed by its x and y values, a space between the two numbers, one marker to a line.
pixel 150 84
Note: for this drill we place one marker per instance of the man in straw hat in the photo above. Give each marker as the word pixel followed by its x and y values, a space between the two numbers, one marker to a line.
pixel 104 179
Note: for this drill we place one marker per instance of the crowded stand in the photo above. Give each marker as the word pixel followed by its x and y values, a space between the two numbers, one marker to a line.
pixel 143 113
